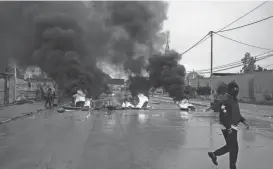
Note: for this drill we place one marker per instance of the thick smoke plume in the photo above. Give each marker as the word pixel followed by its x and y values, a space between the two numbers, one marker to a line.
pixel 137 25
pixel 139 84
pixel 164 71
pixel 66 39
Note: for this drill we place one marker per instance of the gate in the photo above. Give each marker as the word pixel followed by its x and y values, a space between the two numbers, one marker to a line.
pixel 2 90
pixel 4 94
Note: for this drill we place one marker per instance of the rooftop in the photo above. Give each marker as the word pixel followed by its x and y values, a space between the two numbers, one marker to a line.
pixel 224 74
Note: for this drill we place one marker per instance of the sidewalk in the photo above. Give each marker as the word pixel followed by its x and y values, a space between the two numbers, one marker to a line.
pixel 16 111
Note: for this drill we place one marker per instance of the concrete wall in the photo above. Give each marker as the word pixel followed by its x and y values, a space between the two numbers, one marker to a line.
pixel 252 86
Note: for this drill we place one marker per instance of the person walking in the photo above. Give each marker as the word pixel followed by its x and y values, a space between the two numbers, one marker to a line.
pixel 229 118
pixel 48 98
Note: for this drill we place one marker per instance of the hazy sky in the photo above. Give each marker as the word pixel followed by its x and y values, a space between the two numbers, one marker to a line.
pixel 189 21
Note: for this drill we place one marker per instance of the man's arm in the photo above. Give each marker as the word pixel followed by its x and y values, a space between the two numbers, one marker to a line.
pixel 243 120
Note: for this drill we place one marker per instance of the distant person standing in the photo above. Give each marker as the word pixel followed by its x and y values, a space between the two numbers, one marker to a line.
pixel 229 117
pixel 48 98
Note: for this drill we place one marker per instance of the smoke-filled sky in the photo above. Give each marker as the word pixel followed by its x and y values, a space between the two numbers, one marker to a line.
pixel 189 21
pixel 67 39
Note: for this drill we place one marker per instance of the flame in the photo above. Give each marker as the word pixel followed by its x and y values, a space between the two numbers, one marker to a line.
pixel 142 99
pixel 184 104
pixel 81 96
pixel 127 104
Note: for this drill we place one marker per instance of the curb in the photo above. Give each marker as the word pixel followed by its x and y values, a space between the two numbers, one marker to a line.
pixel 199 104
pixel 21 116
pixel 168 100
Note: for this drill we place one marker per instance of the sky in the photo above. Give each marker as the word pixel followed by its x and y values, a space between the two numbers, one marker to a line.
pixel 189 21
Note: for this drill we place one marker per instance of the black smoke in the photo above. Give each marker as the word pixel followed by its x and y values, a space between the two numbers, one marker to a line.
pixel 67 39
pixel 137 26
pixel 139 84
pixel 165 71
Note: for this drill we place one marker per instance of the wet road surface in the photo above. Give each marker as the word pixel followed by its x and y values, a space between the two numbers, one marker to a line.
pixel 129 139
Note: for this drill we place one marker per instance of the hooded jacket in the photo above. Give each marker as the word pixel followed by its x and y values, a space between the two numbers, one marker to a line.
pixel 230 115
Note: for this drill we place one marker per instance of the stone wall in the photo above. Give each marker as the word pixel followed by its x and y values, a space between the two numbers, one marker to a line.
pixel 252 86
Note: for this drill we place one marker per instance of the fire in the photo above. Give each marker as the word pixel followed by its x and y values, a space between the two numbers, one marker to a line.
pixel 185 105
pixel 127 104
pixel 143 101
pixel 80 96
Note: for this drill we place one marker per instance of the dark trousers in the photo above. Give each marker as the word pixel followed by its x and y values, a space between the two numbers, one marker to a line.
pixel 48 101
pixel 231 147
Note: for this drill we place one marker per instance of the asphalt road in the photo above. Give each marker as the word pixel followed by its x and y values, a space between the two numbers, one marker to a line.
pixel 132 139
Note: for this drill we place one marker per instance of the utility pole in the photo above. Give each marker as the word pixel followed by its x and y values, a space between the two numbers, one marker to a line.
pixel 167 47
pixel 211 64
pixel 15 81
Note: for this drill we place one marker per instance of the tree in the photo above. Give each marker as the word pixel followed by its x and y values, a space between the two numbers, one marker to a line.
pixel 249 65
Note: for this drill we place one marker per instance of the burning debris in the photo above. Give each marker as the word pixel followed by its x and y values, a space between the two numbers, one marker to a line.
pixel 139 88
pixel 185 105
pixel 138 84
pixel 142 102
pixel 80 100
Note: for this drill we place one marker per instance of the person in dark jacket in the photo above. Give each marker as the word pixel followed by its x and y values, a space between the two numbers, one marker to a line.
pixel 229 118
pixel 48 98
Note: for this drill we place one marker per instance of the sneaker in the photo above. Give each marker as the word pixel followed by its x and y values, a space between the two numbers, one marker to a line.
pixel 213 158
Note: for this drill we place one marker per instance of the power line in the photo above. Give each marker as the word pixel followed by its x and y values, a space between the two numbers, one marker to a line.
pixel 239 65
pixel 206 37
pixel 242 42
pixel 236 63
pixel 199 42
pixel 245 25
pixel 244 15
